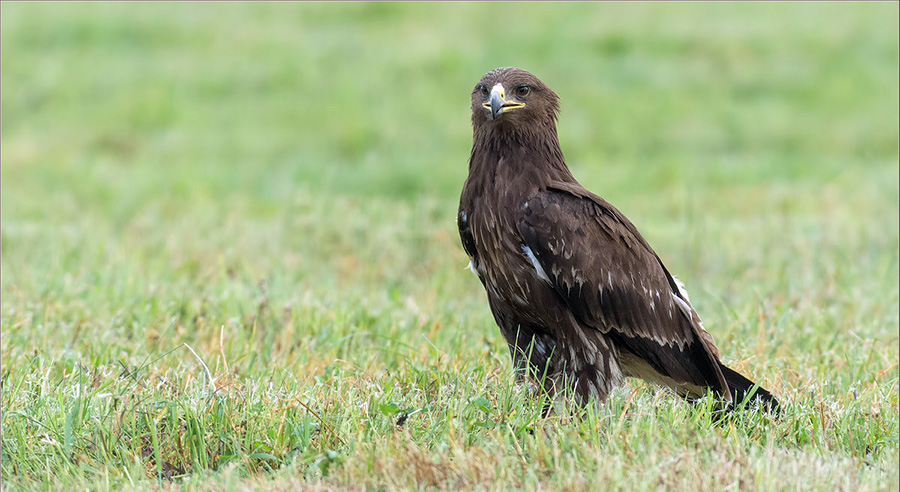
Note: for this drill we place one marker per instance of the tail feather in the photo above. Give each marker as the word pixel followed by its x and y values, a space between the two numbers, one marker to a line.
pixel 741 388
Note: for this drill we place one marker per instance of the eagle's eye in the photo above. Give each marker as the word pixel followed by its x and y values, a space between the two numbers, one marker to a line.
pixel 522 90
pixel 483 89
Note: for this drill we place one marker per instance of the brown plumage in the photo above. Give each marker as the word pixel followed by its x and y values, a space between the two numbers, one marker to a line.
pixel 579 295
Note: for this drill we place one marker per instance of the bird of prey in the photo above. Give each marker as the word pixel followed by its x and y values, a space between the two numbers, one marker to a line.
pixel 580 297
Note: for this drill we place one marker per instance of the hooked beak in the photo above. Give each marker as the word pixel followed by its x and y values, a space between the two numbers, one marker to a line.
pixel 498 103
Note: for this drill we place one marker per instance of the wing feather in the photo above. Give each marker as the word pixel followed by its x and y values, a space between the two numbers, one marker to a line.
pixel 613 282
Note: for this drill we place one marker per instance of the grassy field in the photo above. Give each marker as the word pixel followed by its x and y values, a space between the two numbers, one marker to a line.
pixel 230 261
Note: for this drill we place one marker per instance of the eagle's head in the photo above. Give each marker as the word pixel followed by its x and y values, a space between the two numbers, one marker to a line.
pixel 511 96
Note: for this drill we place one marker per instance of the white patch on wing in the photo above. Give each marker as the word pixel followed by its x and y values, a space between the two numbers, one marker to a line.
pixel 681 288
pixel 471 268
pixel 534 262
pixel 684 306
pixel 687 303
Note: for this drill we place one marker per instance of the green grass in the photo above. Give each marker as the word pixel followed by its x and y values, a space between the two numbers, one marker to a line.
pixel 230 258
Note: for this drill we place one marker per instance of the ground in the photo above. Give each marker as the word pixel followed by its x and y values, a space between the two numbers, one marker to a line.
pixel 229 256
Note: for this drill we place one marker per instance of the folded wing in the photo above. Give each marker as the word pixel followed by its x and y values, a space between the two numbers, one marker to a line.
pixel 612 281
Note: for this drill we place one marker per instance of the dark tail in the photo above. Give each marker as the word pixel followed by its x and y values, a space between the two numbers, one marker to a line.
pixel 742 389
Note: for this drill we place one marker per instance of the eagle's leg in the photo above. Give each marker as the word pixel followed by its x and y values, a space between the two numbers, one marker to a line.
pixel 592 369
pixel 532 350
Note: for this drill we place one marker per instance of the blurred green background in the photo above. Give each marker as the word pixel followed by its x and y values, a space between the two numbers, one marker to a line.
pixel 187 153
pixel 285 176
pixel 174 151
pixel 372 99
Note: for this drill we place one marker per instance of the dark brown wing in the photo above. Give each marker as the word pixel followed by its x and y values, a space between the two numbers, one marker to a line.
pixel 612 281
pixel 468 242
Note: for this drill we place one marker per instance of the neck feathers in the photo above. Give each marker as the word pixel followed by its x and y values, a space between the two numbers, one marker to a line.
pixel 535 147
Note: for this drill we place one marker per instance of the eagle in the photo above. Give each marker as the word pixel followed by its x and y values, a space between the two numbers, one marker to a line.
pixel 581 298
